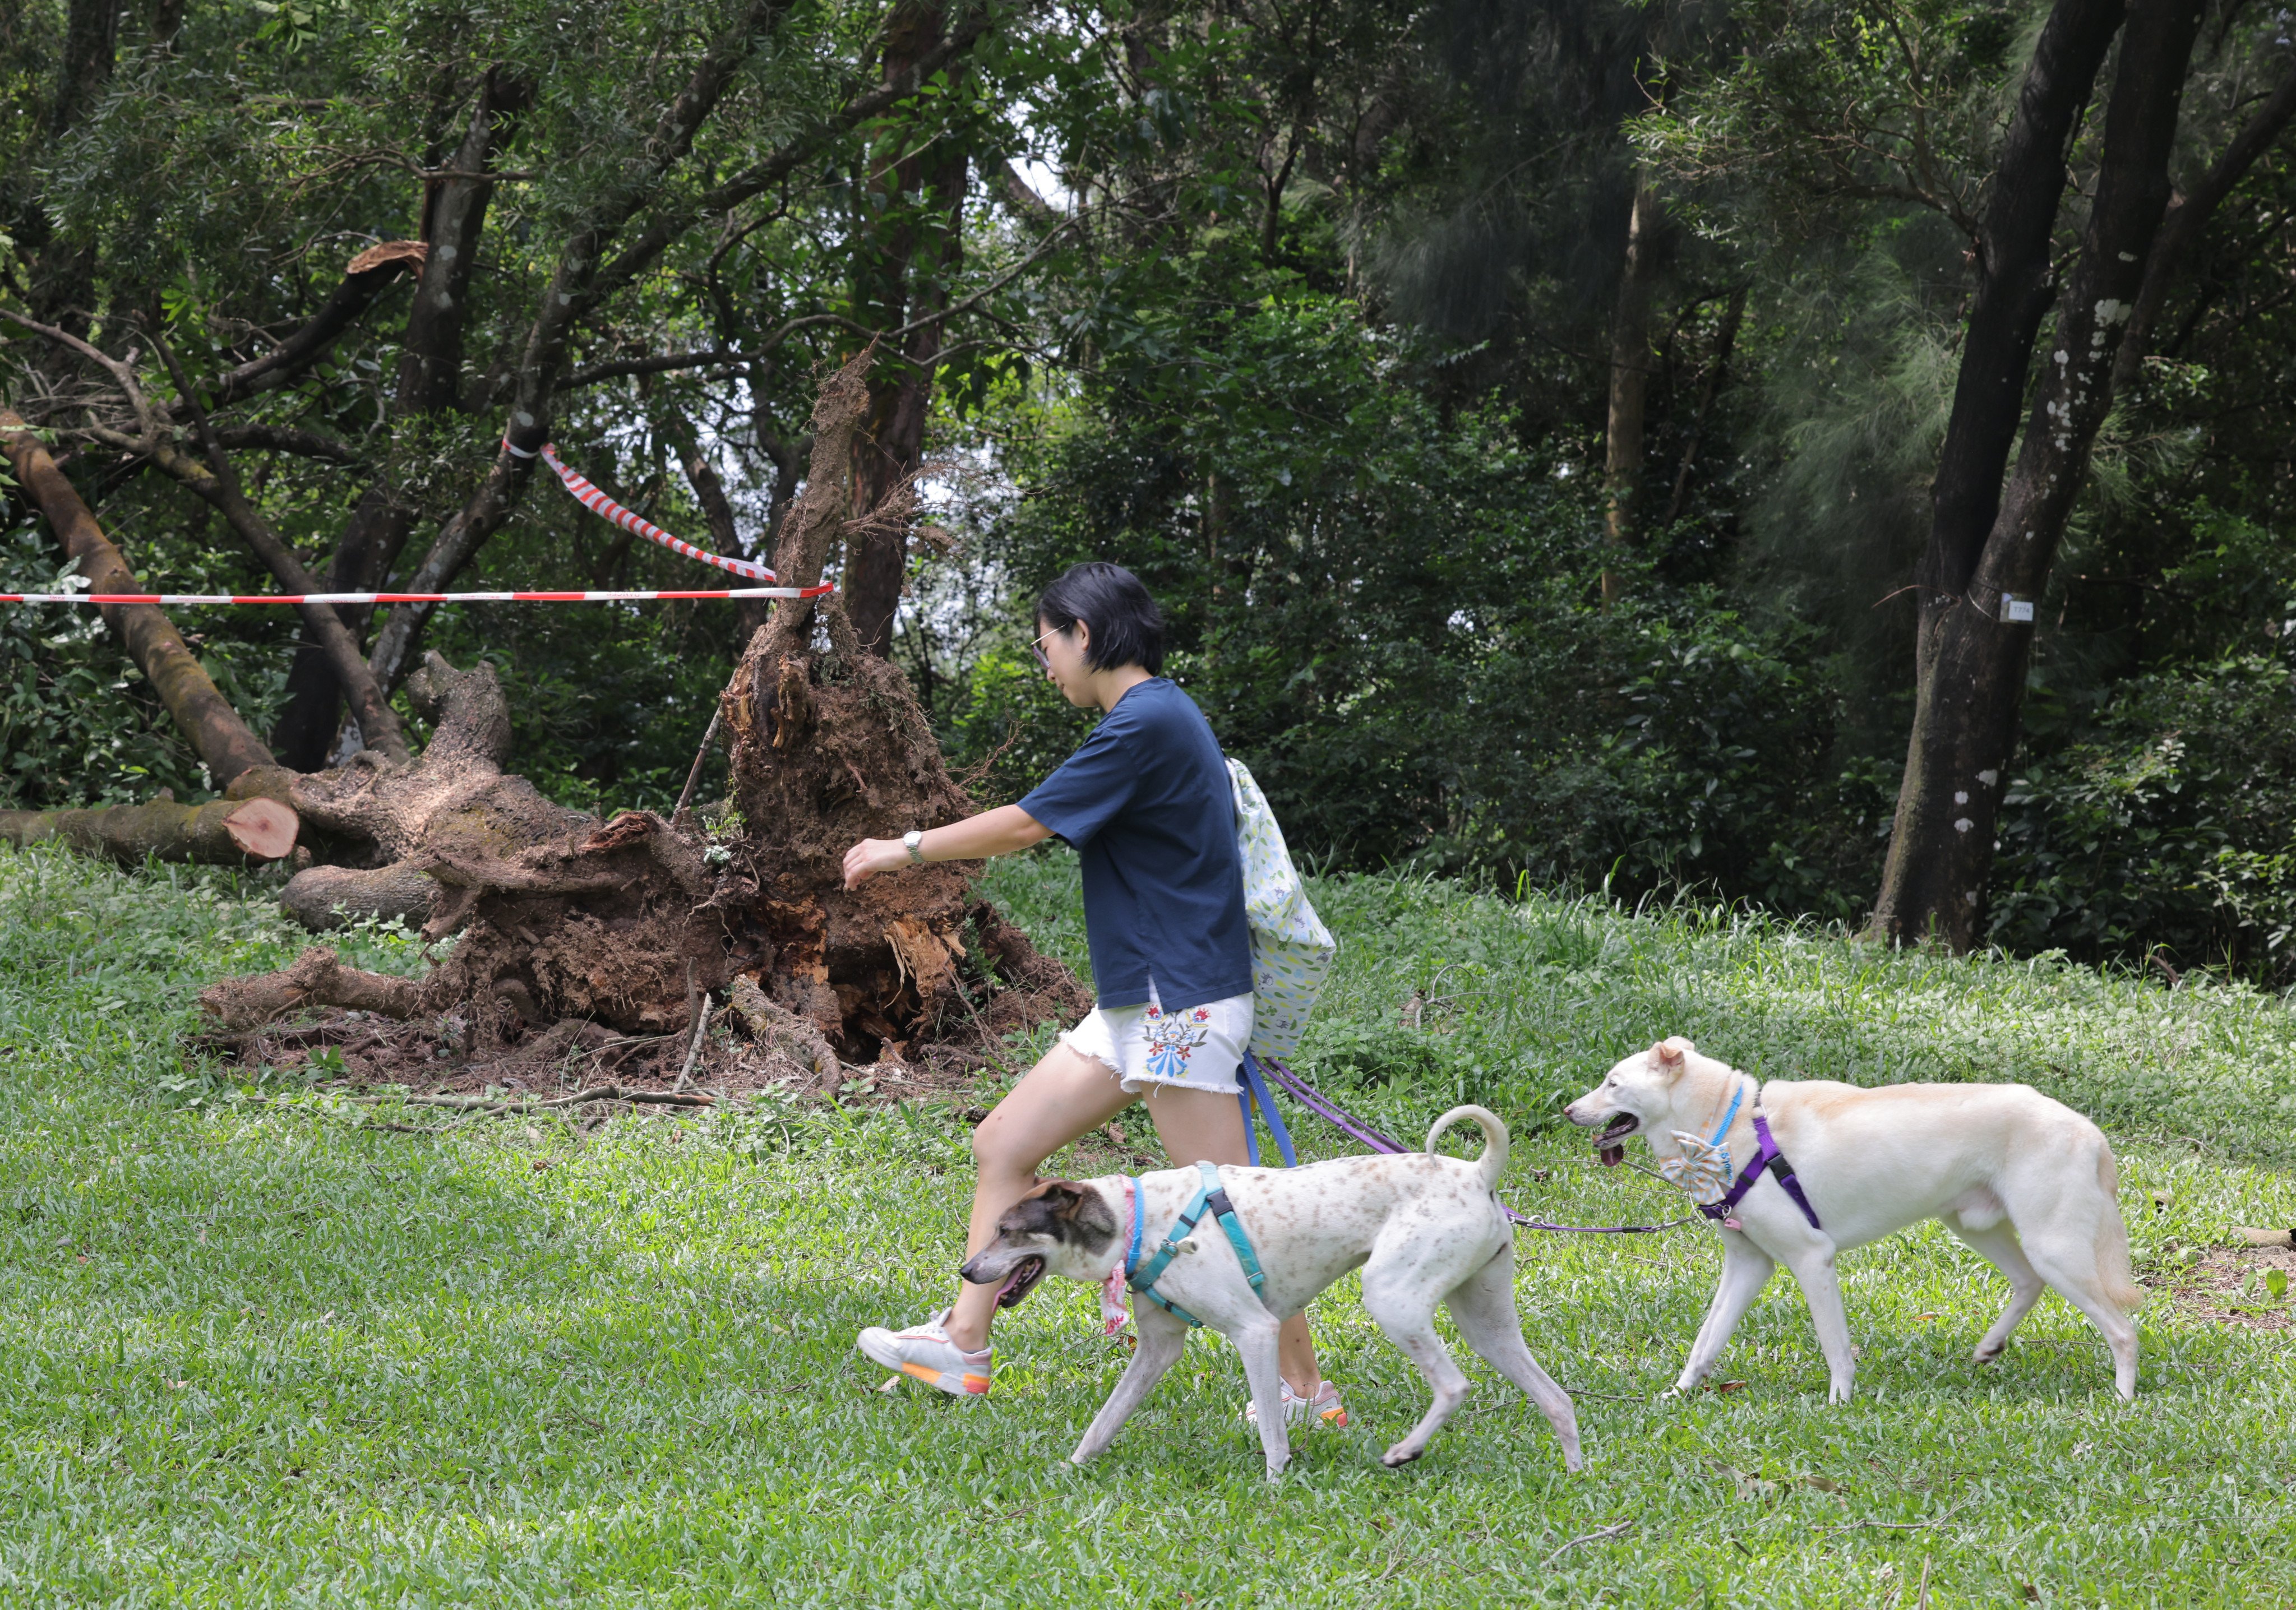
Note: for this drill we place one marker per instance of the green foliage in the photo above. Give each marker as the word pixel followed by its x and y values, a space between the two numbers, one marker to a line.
pixel 77 726
pixel 1323 352
pixel 1453 699
pixel 2169 824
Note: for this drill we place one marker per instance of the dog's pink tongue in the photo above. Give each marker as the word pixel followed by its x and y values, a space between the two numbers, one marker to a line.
pixel 1612 1156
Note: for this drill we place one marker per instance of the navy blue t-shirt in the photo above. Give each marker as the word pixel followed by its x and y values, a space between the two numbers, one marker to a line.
pixel 1146 802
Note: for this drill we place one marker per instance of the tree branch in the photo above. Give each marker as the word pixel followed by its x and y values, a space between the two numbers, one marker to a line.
pixel 2188 216
pixel 287 438
pixel 575 287
pixel 343 308
pixel 378 722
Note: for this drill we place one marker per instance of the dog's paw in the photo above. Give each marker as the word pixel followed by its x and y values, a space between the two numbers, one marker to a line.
pixel 1399 1455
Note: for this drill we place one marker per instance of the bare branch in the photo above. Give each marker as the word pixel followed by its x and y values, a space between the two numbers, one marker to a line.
pixel 615 369
pixel 287 438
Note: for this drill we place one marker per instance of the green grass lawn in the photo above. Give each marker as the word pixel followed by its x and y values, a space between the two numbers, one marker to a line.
pixel 252 1353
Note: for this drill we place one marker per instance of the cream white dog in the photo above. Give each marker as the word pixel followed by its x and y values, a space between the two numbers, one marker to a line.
pixel 1424 1228
pixel 2026 1182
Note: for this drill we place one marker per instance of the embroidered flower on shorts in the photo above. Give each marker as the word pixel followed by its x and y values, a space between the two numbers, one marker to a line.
pixel 1171 1043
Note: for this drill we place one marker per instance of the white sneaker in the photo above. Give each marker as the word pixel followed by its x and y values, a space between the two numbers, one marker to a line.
pixel 924 1352
pixel 1323 1409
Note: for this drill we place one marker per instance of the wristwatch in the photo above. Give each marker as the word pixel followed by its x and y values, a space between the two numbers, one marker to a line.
pixel 914 840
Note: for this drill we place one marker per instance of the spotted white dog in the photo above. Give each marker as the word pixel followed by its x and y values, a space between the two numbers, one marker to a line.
pixel 1817 1167
pixel 1424 1228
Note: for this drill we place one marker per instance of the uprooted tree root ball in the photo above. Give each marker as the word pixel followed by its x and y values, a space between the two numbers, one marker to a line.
pixel 588 947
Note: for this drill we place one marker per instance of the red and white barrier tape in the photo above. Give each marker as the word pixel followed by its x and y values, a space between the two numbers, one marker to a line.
pixel 404 598
pixel 598 504
pixel 592 499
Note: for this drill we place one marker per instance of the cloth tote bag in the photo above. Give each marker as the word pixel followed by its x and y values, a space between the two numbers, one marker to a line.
pixel 1292 949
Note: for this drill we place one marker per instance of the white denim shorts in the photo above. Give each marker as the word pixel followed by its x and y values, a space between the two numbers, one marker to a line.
pixel 1150 1048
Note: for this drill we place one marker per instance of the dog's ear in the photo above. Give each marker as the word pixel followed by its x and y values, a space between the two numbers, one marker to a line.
pixel 1064 1197
pixel 1080 1211
pixel 1667 1054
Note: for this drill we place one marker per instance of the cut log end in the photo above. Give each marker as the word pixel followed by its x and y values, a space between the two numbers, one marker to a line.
pixel 262 827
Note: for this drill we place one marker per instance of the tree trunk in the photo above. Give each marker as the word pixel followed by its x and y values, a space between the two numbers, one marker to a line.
pixel 429 382
pixel 62 271
pixel 221 832
pixel 1725 340
pixel 921 197
pixel 202 712
pixel 1972 672
pixel 1630 367
pixel 2014 285
pixel 221 488
pixel 581 276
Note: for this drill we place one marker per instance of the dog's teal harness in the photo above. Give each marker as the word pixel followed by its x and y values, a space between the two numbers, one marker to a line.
pixel 1210 1197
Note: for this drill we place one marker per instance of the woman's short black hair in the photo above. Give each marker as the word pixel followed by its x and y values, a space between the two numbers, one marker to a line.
pixel 1127 628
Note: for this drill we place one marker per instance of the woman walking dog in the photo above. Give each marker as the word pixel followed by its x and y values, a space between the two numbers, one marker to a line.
pixel 1146 803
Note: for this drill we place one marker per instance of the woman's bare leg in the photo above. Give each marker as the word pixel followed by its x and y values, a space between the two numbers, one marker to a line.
pixel 1198 1125
pixel 1065 1095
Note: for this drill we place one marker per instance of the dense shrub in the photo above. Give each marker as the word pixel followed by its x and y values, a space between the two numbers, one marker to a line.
pixel 2169 824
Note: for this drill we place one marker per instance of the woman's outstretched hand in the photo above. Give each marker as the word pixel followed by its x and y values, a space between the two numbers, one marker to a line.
pixel 997 832
pixel 874 855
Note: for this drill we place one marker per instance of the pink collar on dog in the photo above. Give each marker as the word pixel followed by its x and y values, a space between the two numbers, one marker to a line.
pixel 1115 1297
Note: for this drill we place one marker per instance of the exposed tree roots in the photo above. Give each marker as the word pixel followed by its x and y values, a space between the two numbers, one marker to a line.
pixel 577 941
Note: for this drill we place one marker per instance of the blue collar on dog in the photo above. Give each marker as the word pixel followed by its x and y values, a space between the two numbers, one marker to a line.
pixel 1210 1195
pixel 1737 1094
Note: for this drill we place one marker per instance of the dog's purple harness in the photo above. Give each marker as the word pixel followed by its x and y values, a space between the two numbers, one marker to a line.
pixel 1768 1159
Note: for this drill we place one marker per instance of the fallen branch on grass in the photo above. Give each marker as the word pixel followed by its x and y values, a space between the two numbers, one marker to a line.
pixel 1619 1530
pixel 1893 1525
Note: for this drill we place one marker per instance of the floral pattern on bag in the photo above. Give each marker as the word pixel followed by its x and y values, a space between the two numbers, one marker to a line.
pixel 1292 949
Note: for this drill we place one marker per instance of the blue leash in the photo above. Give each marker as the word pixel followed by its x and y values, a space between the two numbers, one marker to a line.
pixel 1255 1090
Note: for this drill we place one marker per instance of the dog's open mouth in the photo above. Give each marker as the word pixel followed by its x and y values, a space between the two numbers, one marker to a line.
pixel 1026 1274
pixel 1611 1144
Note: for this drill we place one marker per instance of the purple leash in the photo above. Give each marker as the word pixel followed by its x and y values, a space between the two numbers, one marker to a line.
pixel 1331 1113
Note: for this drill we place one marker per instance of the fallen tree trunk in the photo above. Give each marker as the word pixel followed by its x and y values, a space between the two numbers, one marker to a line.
pixel 220 832
pixel 202 712
pixel 567 920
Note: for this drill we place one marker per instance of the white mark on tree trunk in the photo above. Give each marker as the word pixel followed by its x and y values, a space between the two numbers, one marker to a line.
pixel 1960 797
pixel 1962 824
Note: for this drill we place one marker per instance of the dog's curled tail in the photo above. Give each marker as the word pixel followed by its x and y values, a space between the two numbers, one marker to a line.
pixel 1493 1162
pixel 2113 1238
